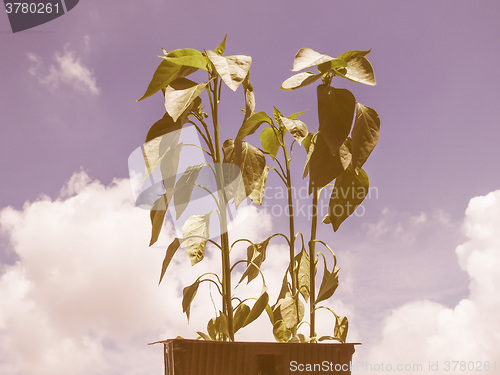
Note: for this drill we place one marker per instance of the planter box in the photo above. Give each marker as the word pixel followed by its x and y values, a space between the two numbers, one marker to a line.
pixel 199 357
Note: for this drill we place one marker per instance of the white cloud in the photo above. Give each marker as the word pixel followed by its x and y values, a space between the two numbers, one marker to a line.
pixel 423 331
pixel 68 70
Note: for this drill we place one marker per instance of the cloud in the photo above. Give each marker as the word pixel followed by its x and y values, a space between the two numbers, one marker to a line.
pixel 83 296
pixel 68 70
pixel 423 331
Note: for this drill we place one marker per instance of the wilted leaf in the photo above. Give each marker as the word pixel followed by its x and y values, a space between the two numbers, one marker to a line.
pixel 166 72
pixel 350 190
pixel 307 57
pixel 365 134
pixel 250 160
pixel 232 69
pixel 252 123
pixel 256 254
pixel 329 283
pixel 249 97
pixel 258 192
pixel 157 214
pixel 296 128
pixel 222 47
pixel 188 294
pixel 240 315
pixel 358 67
pixel 172 248
pixel 180 94
pixel 335 113
pixel 292 311
pixel 341 328
pixel 269 141
pixel 303 269
pixel 195 233
pixel 184 188
pixel 299 80
pixel 257 308
pixel 280 332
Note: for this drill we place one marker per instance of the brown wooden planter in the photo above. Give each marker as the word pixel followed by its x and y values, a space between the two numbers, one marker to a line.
pixel 199 357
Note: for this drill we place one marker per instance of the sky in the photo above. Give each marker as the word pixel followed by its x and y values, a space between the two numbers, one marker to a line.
pixel 79 287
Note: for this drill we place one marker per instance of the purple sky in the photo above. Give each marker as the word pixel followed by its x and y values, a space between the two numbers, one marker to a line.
pixel 67 103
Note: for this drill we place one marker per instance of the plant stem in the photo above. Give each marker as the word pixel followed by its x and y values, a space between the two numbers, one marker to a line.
pixel 226 261
pixel 312 264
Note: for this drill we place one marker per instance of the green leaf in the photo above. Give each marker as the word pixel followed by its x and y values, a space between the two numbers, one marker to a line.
pixel 341 328
pixel 222 47
pixel 257 309
pixel 163 126
pixel 350 190
pixel 195 233
pixel 157 214
pixel 188 294
pixel 307 57
pixel 300 80
pixel 250 160
pixel 358 67
pixel 204 336
pixel 166 72
pixel 296 115
pixel 292 311
pixel 187 57
pixel 335 113
pixel 240 315
pixel 270 142
pixel 322 165
pixel 211 329
pixel 302 270
pixel 249 97
pixel 232 69
pixel 256 254
pixel 365 133
pixel 277 115
pixel 252 123
pixel 172 248
pixel 329 283
pixel 180 94
pixel 184 188
pixel 296 128
pixel 280 332
pixel 258 192
pixel 221 325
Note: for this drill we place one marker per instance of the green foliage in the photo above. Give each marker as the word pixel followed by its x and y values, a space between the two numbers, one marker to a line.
pixel 345 137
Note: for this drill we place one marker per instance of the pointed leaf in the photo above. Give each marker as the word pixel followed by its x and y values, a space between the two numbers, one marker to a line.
pixel 187 57
pixel 204 336
pixel 307 57
pixel 166 72
pixel 296 115
pixel 350 190
pixel 163 126
pixel 329 283
pixel 157 214
pixel 341 328
pixel 277 115
pixel 256 254
pixel 300 80
pixel 169 164
pixel 335 113
pixel 358 67
pixel 221 325
pixel 270 142
pixel 188 294
pixel 257 308
pixel 365 134
pixel 222 47
pixel 184 188
pixel 250 160
pixel 232 69
pixel 280 332
pixel 258 192
pixel 292 311
pixel 172 248
pixel 240 315
pixel 195 233
pixel 180 94
pixel 211 329
pixel 249 97
pixel 296 128
pixel 252 123
pixel 302 270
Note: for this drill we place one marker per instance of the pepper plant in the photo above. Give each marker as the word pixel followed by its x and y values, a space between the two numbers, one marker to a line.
pixel 240 171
